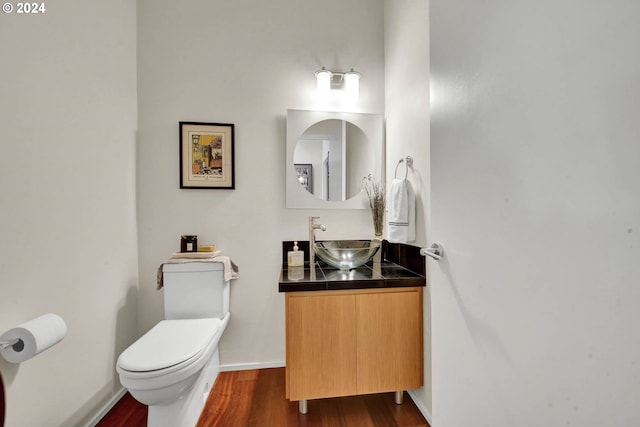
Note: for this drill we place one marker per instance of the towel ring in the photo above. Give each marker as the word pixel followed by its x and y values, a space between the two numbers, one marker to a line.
pixel 408 161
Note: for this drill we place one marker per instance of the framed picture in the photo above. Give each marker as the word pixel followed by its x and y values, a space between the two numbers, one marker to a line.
pixel 304 174
pixel 206 155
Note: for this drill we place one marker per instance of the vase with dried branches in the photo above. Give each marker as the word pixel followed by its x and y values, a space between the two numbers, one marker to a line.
pixel 377 203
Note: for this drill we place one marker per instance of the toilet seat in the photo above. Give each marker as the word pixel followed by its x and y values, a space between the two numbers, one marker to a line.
pixel 164 364
pixel 169 346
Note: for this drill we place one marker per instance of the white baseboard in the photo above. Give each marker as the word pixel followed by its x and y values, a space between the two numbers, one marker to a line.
pixel 420 406
pixel 107 407
pixel 247 366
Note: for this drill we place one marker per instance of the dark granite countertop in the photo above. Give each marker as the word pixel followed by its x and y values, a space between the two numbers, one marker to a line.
pixel 398 265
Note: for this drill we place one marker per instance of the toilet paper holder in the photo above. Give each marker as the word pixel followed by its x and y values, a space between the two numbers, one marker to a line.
pixel 16 343
pixel 32 337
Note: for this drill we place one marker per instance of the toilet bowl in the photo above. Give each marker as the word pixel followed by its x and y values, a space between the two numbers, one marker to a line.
pixel 172 368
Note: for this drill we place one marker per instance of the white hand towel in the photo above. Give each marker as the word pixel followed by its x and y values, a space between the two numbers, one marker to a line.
pixel 402 212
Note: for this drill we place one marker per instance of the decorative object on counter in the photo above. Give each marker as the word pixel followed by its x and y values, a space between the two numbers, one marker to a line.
pixel 207 248
pixel 377 203
pixel 402 207
pixel 295 258
pixel 207 155
pixel 188 243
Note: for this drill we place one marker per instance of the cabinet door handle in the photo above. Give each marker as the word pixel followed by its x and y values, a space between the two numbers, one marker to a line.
pixel 436 251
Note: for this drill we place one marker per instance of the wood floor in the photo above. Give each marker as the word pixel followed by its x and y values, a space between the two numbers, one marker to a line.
pixel 256 398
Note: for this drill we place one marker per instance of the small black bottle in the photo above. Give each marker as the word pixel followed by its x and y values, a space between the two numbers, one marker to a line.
pixel 188 243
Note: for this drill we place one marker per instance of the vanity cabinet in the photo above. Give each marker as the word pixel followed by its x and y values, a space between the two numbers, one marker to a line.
pixel 348 342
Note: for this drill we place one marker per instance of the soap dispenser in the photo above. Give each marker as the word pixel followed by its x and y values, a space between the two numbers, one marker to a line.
pixel 295 257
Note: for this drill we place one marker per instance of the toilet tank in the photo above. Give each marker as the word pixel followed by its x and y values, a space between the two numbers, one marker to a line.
pixel 195 290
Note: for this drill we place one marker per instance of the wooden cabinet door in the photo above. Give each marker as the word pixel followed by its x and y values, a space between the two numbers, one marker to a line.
pixel 321 345
pixel 389 331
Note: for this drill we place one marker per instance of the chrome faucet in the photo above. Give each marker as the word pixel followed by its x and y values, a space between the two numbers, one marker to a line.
pixel 312 239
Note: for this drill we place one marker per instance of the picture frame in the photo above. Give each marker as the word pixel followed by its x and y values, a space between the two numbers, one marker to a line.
pixel 207 155
pixel 304 173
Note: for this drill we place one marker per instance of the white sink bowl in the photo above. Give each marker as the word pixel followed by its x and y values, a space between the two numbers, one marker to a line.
pixel 346 254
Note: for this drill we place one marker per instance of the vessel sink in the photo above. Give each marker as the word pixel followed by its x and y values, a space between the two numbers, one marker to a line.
pixel 346 254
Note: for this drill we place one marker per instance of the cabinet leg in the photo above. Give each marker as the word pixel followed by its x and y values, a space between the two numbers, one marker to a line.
pixel 302 406
pixel 399 397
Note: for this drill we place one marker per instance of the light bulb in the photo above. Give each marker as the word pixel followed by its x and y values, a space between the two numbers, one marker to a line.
pixel 352 84
pixel 323 81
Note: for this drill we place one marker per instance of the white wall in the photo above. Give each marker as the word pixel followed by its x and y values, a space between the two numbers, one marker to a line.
pixel 536 198
pixel 407 119
pixel 243 62
pixel 67 196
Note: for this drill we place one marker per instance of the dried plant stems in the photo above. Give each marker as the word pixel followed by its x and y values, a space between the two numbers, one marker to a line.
pixel 377 203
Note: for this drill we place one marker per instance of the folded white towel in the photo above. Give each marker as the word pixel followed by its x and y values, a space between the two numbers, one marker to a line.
pixel 402 212
pixel 230 268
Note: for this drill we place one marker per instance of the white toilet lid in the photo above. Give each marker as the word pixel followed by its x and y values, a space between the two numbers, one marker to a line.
pixel 169 343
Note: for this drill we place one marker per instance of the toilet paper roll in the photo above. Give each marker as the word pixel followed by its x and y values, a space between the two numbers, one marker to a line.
pixel 36 335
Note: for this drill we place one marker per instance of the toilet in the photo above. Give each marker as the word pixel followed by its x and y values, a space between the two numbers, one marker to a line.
pixel 173 366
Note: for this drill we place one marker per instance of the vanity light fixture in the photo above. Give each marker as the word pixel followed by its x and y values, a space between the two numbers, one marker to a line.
pixel 348 81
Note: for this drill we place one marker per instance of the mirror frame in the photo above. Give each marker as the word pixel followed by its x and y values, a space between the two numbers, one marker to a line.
pixel 298 121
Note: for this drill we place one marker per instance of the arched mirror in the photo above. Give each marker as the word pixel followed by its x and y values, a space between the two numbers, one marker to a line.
pixel 328 155
pixel 330 159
